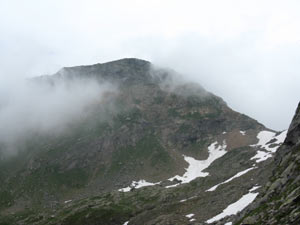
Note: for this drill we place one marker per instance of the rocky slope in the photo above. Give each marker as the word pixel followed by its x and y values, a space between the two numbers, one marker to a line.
pixel 151 150
pixel 279 203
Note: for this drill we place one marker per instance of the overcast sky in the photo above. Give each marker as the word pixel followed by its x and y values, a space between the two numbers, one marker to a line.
pixel 246 51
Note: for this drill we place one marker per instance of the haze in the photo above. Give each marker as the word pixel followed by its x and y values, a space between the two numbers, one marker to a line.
pixel 247 52
pixel 39 106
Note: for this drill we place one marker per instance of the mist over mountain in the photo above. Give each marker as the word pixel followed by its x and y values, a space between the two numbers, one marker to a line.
pixel 240 50
pixel 41 106
pixel 50 104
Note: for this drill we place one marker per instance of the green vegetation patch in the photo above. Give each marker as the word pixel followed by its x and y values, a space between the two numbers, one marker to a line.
pixel 112 214
pixel 127 117
pixel 173 112
pixel 52 178
pixel 146 149
pixel 5 198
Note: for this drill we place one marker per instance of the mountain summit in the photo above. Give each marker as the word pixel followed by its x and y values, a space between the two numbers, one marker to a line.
pixel 150 149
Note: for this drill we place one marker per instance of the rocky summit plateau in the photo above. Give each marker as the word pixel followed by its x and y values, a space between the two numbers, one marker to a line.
pixel 150 149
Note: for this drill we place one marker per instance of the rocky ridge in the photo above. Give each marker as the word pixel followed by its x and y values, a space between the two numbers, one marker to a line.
pixel 279 202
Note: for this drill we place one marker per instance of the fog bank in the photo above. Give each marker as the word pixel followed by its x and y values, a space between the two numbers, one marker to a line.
pixel 37 106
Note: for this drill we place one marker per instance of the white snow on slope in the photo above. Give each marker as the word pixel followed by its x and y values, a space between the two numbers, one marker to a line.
pixel 137 184
pixel 193 171
pixel 184 200
pixel 126 223
pixel 261 156
pixel 254 188
pixel 267 148
pixel 189 215
pixel 243 132
pixel 265 136
pixel 237 206
pixel 228 223
pixel 196 167
pixel 281 137
pixel 230 179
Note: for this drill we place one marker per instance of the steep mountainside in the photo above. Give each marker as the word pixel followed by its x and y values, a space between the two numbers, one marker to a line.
pixel 279 202
pixel 151 150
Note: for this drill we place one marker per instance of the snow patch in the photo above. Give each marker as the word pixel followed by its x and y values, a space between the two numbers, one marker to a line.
pixel 264 137
pixel 243 132
pixel 126 223
pixel 254 188
pixel 137 184
pixel 184 200
pixel 281 137
pixel 193 171
pixel 228 223
pixel 230 179
pixel 190 215
pixel 196 167
pixel 261 156
pixel 67 201
pixel 237 206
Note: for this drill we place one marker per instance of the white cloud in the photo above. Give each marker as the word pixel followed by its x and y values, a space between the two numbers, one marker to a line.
pixel 31 106
pixel 245 51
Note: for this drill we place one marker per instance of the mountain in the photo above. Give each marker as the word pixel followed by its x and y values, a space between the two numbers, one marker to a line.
pixel 151 149
pixel 279 202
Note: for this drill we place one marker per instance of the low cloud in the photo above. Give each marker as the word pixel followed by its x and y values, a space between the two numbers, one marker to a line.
pixel 246 54
pixel 40 106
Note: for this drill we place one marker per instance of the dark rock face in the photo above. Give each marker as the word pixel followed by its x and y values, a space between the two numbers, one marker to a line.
pixel 294 130
pixel 280 201
pixel 143 131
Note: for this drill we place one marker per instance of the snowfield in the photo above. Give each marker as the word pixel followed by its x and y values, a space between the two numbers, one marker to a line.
pixel 184 200
pixel 267 149
pixel 189 215
pixel 196 167
pixel 137 184
pixel 193 171
pixel 230 179
pixel 67 201
pixel 237 206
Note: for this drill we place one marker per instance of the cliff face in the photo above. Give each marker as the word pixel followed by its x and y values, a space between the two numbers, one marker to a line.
pixel 279 202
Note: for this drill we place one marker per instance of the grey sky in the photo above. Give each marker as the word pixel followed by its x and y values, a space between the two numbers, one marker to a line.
pixel 247 52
